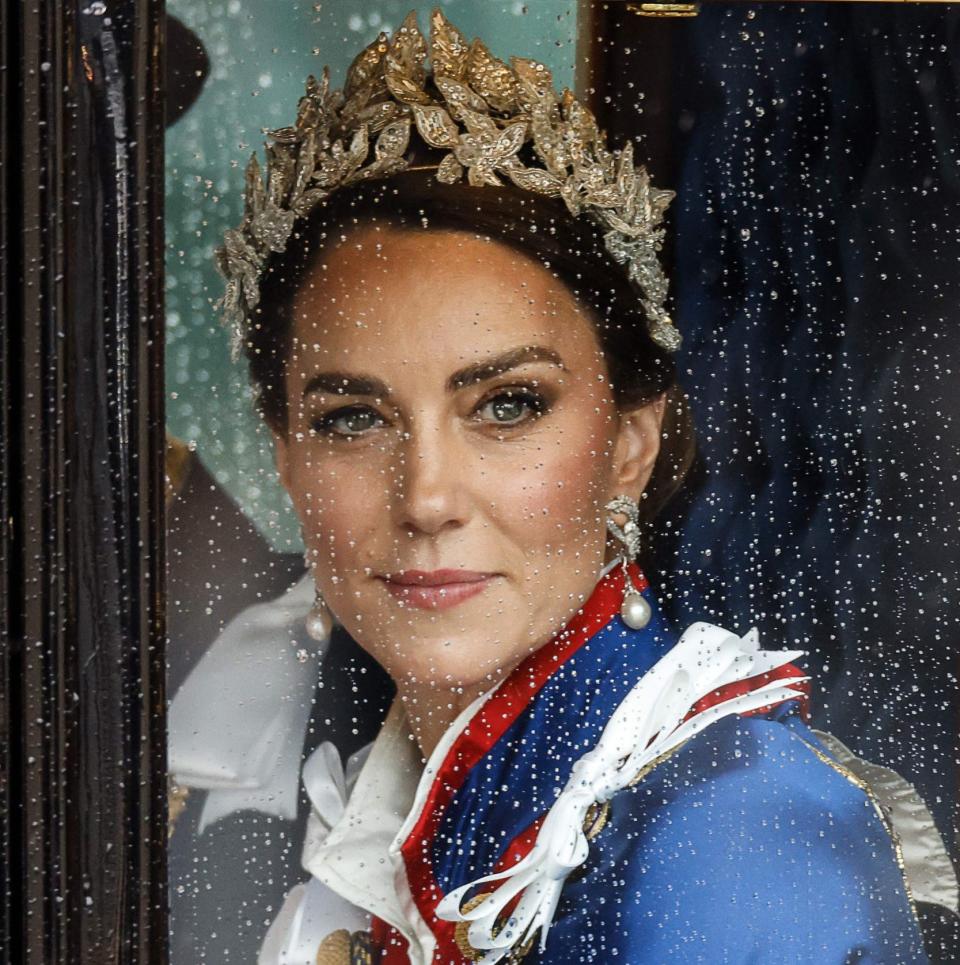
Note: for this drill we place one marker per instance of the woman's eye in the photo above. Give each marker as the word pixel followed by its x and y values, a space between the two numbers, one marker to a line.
pixel 511 408
pixel 350 421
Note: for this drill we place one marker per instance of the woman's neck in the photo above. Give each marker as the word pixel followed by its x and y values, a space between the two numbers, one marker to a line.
pixel 431 709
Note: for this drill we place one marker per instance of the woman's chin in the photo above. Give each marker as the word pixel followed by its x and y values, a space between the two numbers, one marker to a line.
pixel 464 645
pixel 468 664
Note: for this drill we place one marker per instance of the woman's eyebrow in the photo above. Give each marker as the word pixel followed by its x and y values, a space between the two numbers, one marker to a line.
pixel 490 368
pixel 343 383
pixel 346 383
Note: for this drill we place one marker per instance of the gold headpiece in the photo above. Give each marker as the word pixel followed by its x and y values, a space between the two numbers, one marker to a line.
pixel 478 109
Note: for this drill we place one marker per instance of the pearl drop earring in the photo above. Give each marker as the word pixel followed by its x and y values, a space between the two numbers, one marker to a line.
pixel 319 621
pixel 634 609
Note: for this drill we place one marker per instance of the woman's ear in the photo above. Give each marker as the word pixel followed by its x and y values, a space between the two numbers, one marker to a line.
pixel 636 448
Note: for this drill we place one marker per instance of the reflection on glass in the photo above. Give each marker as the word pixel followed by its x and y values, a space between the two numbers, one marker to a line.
pixel 465 696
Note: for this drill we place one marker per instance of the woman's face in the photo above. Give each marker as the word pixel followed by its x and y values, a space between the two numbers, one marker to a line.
pixel 452 440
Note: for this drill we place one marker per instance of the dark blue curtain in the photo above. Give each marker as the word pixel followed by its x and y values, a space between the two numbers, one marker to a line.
pixel 817 271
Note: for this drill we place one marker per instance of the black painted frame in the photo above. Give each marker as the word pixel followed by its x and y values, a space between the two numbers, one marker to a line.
pixel 82 735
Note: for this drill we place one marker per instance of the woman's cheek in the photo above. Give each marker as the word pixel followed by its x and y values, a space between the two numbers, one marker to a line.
pixel 557 493
pixel 345 502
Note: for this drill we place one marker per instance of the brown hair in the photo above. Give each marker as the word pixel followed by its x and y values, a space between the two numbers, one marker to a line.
pixel 539 227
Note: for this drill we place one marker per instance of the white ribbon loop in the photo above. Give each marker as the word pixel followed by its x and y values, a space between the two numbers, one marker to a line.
pixel 652 720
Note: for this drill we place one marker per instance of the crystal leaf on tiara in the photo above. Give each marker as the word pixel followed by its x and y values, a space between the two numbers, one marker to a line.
pixel 478 109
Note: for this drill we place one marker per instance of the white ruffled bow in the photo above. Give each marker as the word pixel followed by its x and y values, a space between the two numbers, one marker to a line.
pixel 648 723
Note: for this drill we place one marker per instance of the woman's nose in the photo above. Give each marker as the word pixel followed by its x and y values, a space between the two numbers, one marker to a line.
pixel 431 495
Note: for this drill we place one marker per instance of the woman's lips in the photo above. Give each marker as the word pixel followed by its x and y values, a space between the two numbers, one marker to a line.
pixel 435 589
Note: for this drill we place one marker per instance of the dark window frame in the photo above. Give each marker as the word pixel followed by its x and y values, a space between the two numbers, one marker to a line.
pixel 82 752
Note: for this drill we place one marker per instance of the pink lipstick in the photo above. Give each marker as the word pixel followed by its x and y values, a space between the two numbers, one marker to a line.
pixel 435 589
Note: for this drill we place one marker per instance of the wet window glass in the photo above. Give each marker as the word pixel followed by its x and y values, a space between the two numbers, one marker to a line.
pixel 562 468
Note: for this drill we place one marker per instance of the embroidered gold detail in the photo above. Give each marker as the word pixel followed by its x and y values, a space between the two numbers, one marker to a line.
pixel 335 949
pixel 176 803
pixel 656 762
pixel 881 813
pixel 343 948
pixel 471 954
pixel 596 819
pixel 361 948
